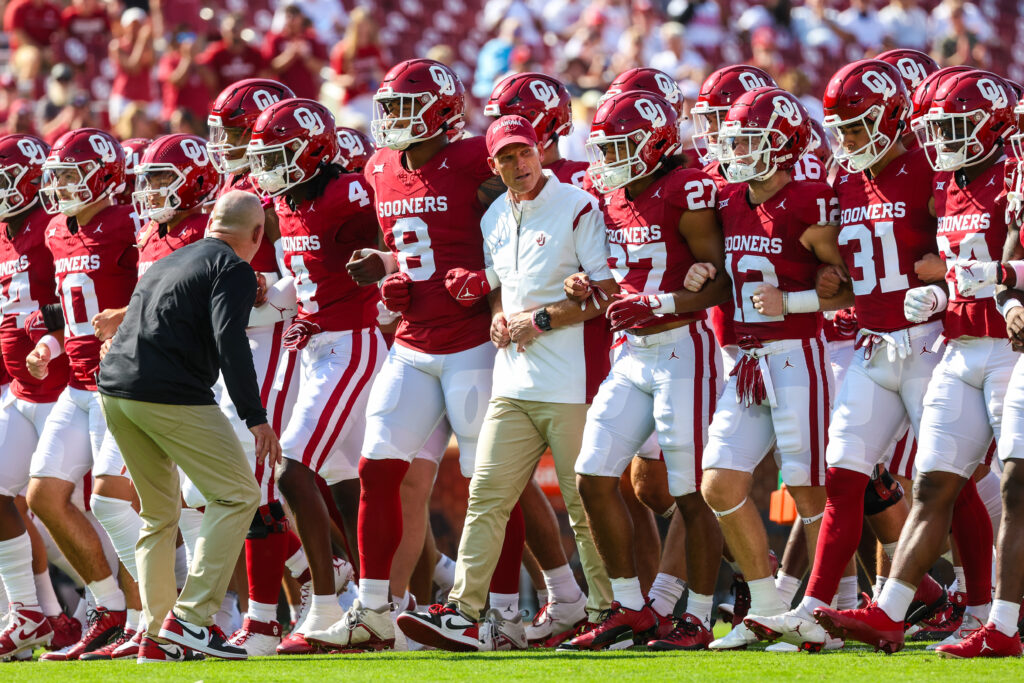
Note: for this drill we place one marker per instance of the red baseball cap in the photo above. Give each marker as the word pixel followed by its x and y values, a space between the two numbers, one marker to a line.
pixel 507 130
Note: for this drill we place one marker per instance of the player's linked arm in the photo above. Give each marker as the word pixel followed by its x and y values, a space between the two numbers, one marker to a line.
pixel 703 235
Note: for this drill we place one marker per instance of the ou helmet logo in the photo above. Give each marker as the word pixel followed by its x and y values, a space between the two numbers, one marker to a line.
pixel 992 92
pixel 749 81
pixel 263 99
pixel 667 86
pixel 911 70
pixel 35 153
pixel 787 110
pixel 104 147
pixel 350 143
pixel 310 120
pixel 444 78
pixel 651 112
pixel 194 151
pixel 544 92
pixel 879 83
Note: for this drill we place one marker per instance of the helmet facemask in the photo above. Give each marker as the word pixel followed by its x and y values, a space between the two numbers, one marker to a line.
pixel 707 123
pixel 156 192
pixel 12 202
pixel 65 187
pixel 953 138
pixel 867 155
pixel 616 160
pixel 225 144
pixel 273 166
pixel 398 119
pixel 746 153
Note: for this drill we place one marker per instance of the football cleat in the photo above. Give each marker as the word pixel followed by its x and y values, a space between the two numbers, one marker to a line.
pixel 107 651
pixel 689 634
pixel 620 628
pixel 295 644
pixel 498 632
pixel 343 573
pixel 150 651
pixel 24 630
pixel 445 627
pixel 66 631
pixel 555 618
pixel 968 625
pixel 929 600
pixel 944 623
pixel 870 625
pixel 737 639
pixel 103 624
pixel 557 639
pixel 665 625
pixel 791 627
pixel 983 642
pixel 209 640
pixel 360 630
pixel 130 649
pixel 257 638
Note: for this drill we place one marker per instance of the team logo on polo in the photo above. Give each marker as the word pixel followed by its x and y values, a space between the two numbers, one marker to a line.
pixel 651 112
pixel 444 79
pixel 544 92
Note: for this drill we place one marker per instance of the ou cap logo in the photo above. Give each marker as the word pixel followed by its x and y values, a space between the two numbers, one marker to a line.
pixel 544 92
pixel 749 81
pixel 667 86
pixel 194 151
pixel 651 112
pixel 911 70
pixel 104 147
pixel 992 92
pixel 444 78
pixel 263 99
pixel 879 83
pixel 35 153
pixel 787 110
pixel 350 143
pixel 310 120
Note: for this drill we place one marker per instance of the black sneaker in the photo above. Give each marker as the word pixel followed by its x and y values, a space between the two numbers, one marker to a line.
pixel 209 640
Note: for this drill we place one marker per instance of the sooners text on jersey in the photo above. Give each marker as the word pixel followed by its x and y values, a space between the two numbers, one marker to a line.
pixel 159 242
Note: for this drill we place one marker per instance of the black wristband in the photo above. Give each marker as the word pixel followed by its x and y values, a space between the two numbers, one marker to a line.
pixel 53 317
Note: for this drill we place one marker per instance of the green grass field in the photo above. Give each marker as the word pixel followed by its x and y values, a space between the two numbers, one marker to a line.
pixel 913 664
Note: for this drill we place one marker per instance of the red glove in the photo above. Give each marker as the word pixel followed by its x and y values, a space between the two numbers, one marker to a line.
pixel 845 321
pixel 298 334
pixel 35 326
pixel 630 310
pixel 396 292
pixel 467 286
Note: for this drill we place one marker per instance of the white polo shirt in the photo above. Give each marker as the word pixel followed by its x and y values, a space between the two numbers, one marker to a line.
pixel 559 233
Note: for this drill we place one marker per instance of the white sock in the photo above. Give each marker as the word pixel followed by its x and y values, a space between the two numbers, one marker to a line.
pixel 847 595
pixel 960 578
pixel 1003 617
pixel 105 593
pixel 764 598
pixel 131 620
pixel 506 603
pixel 259 611
pixel 444 570
pixel 879 584
pixel 123 524
pixel 561 584
pixel 700 606
pixel 787 586
pixel 16 571
pixel 665 593
pixel 48 601
pixel 293 613
pixel 896 598
pixel 324 610
pixel 542 596
pixel 81 612
pixel 402 603
pixel 627 592
pixel 807 606
pixel 189 523
pixel 297 563
pixel 889 549
pixel 374 593
pixel 981 612
pixel 180 566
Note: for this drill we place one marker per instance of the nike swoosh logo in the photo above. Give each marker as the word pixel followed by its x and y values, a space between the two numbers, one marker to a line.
pixel 201 635
pixel 449 624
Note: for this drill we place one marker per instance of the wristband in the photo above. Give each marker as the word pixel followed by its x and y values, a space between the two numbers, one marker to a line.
pixel 492 278
pixel 806 301
pixel 1008 306
pixel 1018 271
pixel 52 343
pixel 390 261
pixel 664 304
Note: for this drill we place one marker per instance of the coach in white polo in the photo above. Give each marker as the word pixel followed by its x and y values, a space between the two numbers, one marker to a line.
pixel 535 236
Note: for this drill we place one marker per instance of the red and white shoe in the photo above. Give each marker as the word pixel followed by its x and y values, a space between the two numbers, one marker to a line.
pixel 130 649
pixel 445 627
pixel 870 625
pixel 257 638
pixel 621 628
pixel 343 573
pixel 153 652
pixel 689 634
pixel 556 617
pixel 103 625
pixel 66 631
pixel 579 629
pixel 984 642
pixel 209 640
pixel 107 651
pixel 24 630
pixel 296 644
pixel 946 622
pixel 665 626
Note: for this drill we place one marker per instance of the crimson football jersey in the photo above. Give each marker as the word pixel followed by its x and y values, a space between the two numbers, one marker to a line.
pixel 319 237
pixel 160 242
pixel 885 227
pixel 26 285
pixel 972 227
pixel 721 316
pixel 571 172
pixel 96 268
pixel 647 255
pixel 762 245
pixel 809 167
pixel 265 260
pixel 430 218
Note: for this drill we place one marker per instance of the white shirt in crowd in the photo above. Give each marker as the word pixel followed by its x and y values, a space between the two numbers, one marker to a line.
pixel 907 26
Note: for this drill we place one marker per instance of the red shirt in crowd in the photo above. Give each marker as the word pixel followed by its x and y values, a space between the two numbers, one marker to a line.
pixel 137 87
pixel 302 81
pixel 367 66
pixel 190 94
pixel 228 66
pixel 39 20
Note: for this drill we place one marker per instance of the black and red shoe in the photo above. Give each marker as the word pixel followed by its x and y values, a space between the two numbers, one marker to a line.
pixel 103 626
pixel 445 627
pixel 946 622
pixel 209 640
pixel 929 600
pixel 689 634
pixel 107 651
pixel 870 625
pixel 620 629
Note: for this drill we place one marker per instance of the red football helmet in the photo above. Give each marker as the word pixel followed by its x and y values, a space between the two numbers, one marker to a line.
pixel 291 141
pixel 921 100
pixel 649 80
pixel 134 148
pixel 84 166
pixel 175 174
pixel 21 168
pixel 868 93
pixel 717 94
pixel 819 145
pixel 766 130
pixel 417 100
pixel 354 149
pixel 540 99
pixel 914 66
pixel 1017 139
pixel 631 136
pixel 232 117
pixel 970 117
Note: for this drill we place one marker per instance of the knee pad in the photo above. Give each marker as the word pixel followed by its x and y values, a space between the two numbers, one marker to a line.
pixel 881 493
pixel 269 519
pixel 795 473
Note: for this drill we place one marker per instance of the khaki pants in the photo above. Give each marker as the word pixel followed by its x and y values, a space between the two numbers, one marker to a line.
pixel 156 439
pixel 514 435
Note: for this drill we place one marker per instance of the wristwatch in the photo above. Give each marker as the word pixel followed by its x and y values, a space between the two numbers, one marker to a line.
pixel 542 319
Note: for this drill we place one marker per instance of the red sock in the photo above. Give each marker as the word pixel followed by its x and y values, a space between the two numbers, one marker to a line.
pixel 292 543
pixel 840 531
pixel 505 579
pixel 929 590
pixel 972 532
pixel 264 564
pixel 380 515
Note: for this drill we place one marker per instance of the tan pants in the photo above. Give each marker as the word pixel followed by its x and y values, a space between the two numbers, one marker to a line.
pixel 155 440
pixel 514 435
